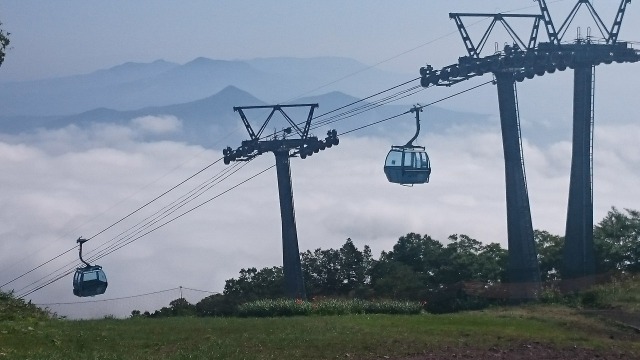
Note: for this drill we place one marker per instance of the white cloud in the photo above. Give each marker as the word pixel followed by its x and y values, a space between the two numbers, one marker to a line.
pixel 164 124
pixel 58 185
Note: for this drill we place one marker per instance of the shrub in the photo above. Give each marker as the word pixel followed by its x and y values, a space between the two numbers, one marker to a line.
pixel 17 309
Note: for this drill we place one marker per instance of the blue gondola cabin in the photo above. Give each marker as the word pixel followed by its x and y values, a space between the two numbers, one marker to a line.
pixel 407 165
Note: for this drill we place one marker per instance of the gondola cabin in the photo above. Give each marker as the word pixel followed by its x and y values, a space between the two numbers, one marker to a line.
pixel 407 165
pixel 89 281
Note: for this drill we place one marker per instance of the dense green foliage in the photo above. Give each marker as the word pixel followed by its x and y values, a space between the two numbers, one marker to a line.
pixel 318 337
pixel 415 262
pixel 460 273
pixel 617 241
pixel 12 309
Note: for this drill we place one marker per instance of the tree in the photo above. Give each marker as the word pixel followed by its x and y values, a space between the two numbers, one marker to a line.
pixel 268 283
pixel 617 241
pixel 422 254
pixel 181 307
pixel 549 249
pixel 397 280
pixel 336 272
pixel 4 43
pixel 353 267
pixel 321 272
pixel 492 263
pixel 460 260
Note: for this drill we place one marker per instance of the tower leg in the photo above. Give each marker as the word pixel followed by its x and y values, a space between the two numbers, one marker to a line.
pixel 578 254
pixel 293 279
pixel 523 269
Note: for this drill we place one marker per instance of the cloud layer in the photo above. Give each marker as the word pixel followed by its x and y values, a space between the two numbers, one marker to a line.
pixel 61 184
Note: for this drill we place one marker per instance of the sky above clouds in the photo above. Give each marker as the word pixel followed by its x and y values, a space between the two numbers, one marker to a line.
pixel 61 184
pixel 72 37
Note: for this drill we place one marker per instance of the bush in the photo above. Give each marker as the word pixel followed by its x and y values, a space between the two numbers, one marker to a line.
pixel 217 305
pixel 393 307
pixel 17 309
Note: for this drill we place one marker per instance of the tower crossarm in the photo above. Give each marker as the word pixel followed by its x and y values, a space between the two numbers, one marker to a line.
pixel 546 58
pixel 475 50
pixel 303 144
pixel 468 44
pixel 606 34
pixel 548 23
pixel 617 22
pixel 304 132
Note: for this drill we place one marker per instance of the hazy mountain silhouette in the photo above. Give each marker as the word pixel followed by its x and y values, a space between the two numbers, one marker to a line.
pixel 136 85
pixel 212 118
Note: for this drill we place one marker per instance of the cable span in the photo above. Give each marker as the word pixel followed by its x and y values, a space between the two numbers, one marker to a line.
pixel 156 198
pixel 420 107
pixel 93 257
pixel 76 263
pixel 29 292
pixel 112 299
pixel 366 107
pixel 112 225
pixel 176 204
pixel 366 98
pixel 129 297
pixel 128 240
pixel 348 105
pixel 204 291
pixel 334 118
pixel 358 111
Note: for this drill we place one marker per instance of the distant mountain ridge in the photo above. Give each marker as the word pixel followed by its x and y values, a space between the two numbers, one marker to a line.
pixel 212 118
pixel 132 85
pixel 201 94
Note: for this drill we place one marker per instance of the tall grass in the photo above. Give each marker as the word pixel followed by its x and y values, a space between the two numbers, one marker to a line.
pixel 311 337
pixel 621 291
pixel 283 307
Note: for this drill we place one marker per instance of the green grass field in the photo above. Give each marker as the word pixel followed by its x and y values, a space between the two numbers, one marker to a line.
pixel 566 328
pixel 311 337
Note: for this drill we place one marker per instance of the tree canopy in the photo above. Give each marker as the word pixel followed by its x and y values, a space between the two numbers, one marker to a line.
pixel 4 43
pixel 420 268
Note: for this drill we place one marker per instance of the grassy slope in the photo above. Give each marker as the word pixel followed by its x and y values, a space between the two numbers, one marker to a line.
pixel 360 336
pixel 27 333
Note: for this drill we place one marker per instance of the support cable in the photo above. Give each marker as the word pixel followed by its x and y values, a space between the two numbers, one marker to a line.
pixel 184 181
pixel 154 220
pixel 111 250
pixel 128 297
pixel 114 224
pixel 345 106
pixel 177 204
pixel 369 106
pixel 126 241
pixel 112 299
pixel 22 296
pixel 419 107
pixel 333 120
pixel 349 105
